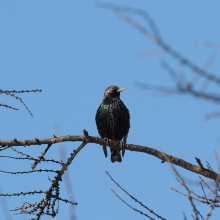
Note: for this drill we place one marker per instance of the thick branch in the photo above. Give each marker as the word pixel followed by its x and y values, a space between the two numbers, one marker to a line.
pixel 89 139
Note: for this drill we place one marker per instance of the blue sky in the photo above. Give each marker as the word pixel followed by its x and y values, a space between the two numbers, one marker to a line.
pixel 73 51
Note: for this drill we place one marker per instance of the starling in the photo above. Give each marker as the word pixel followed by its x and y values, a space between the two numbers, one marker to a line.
pixel 113 121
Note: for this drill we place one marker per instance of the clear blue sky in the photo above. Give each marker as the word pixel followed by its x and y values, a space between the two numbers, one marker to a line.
pixel 73 51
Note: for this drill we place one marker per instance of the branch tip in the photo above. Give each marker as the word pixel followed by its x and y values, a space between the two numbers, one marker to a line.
pixel 85 132
pixel 200 163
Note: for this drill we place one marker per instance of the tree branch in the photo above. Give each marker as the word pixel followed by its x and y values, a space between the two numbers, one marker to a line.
pixel 199 169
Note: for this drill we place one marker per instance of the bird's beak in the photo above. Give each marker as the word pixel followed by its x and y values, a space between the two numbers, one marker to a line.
pixel 122 89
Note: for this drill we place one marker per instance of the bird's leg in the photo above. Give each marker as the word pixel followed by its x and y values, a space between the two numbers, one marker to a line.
pixel 104 146
pixel 121 144
pixel 106 141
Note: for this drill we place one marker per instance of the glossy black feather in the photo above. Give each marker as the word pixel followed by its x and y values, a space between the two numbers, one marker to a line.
pixel 113 120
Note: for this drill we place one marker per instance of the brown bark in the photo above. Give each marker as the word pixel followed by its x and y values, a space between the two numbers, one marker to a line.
pixel 199 169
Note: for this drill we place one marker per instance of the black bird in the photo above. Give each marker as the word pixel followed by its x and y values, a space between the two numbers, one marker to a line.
pixel 113 120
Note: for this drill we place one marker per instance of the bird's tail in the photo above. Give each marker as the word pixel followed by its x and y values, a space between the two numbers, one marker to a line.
pixel 115 155
pixel 105 150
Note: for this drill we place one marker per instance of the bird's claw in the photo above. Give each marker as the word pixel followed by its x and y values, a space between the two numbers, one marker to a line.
pixel 107 140
pixel 122 144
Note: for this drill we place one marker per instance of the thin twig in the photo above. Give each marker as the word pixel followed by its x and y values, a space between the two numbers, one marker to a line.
pixel 216 190
pixel 132 207
pixel 150 210
pixel 188 191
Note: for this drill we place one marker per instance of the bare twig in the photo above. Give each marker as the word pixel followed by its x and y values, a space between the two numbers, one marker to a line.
pixel 214 45
pixel 216 190
pixel 7 106
pixel 131 206
pixel 11 93
pixel 150 210
pixel 196 212
pixel 155 37
pixel 67 180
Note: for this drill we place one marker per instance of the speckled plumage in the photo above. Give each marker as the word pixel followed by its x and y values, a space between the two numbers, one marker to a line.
pixel 113 120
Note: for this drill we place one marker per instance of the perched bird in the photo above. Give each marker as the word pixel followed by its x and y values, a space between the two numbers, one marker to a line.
pixel 113 121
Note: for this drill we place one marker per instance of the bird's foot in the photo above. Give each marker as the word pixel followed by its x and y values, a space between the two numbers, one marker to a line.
pixel 107 140
pixel 122 144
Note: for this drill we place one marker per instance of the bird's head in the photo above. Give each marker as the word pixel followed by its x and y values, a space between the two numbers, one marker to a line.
pixel 113 92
